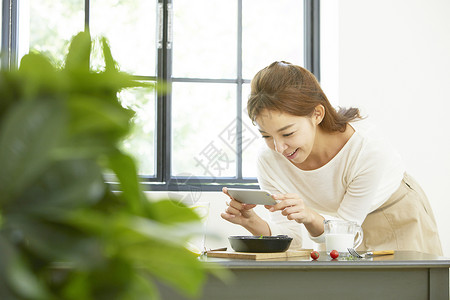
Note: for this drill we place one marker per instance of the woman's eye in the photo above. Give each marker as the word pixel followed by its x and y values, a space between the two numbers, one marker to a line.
pixel 288 134
pixel 265 136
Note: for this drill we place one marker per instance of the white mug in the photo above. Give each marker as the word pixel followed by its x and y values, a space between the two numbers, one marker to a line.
pixel 340 235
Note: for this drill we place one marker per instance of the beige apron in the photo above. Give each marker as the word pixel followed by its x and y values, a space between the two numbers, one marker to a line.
pixel 404 222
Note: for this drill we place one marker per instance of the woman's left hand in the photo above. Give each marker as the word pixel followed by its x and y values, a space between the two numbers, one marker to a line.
pixel 293 207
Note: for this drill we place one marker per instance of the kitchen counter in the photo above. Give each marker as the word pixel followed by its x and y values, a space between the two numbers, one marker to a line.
pixel 404 275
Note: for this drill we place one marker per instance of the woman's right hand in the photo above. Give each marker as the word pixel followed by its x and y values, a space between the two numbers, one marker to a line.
pixel 237 212
pixel 243 214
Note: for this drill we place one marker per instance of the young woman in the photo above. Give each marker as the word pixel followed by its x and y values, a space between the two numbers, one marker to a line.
pixel 326 163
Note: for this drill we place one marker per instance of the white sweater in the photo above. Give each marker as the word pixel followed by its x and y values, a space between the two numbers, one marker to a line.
pixel 358 180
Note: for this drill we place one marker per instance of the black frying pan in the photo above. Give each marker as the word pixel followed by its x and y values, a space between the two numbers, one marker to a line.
pixel 251 243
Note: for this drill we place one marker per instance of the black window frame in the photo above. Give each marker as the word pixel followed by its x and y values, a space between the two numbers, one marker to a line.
pixel 164 180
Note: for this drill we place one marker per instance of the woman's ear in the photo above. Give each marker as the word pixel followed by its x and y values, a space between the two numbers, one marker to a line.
pixel 319 114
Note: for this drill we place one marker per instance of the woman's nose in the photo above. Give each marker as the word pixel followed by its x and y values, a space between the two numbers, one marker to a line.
pixel 279 146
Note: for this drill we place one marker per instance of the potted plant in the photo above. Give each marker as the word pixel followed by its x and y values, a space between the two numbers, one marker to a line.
pixel 64 234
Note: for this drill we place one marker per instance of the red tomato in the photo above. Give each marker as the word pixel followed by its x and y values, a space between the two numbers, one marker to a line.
pixel 314 255
pixel 334 254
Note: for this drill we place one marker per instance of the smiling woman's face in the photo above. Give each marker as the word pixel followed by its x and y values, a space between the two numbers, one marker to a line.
pixel 292 136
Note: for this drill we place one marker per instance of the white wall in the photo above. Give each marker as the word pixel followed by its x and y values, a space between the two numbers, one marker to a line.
pixel 394 63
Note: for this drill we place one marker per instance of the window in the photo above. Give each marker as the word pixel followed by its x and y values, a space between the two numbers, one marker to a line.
pixel 198 133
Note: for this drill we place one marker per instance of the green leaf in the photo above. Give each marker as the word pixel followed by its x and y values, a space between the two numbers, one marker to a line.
pixel 25 282
pixel 77 287
pixel 96 126
pixel 171 212
pixel 171 264
pixel 6 256
pixel 141 288
pixel 10 90
pixel 110 63
pixel 151 246
pixel 125 169
pixel 93 115
pixel 15 274
pixel 66 185
pixel 103 283
pixel 34 65
pixel 79 52
pixel 58 242
pixel 39 76
pixel 28 134
pixel 106 83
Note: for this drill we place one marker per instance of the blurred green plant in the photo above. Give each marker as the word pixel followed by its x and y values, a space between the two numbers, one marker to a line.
pixel 63 233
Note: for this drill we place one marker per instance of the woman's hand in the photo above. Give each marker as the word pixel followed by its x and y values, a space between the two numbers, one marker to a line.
pixel 243 214
pixel 295 209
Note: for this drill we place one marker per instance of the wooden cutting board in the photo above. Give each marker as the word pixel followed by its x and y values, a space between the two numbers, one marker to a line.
pixel 257 256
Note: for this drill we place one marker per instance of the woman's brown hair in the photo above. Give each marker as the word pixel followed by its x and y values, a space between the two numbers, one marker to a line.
pixel 294 90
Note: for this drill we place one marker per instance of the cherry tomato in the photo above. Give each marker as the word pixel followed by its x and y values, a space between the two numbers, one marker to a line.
pixel 314 255
pixel 334 254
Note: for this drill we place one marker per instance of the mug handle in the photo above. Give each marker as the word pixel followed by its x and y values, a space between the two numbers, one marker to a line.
pixel 359 237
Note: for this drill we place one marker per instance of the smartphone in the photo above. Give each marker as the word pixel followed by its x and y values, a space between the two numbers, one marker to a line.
pixel 252 196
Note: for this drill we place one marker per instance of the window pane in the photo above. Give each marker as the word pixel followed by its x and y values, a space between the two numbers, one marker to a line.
pixel 271 30
pixel 203 140
pixel 48 26
pixel 251 138
pixel 130 26
pixel 141 142
pixel 204 38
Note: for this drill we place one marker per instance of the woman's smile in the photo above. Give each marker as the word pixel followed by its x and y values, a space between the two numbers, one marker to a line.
pixel 292 154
